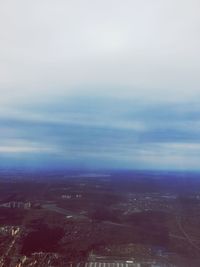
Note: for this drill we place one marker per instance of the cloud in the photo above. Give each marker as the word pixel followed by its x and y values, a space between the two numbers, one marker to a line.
pixel 100 83
pixel 12 146
pixel 137 48
pixel 107 133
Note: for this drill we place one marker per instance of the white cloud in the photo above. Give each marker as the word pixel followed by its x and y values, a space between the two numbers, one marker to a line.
pixel 20 146
pixel 147 48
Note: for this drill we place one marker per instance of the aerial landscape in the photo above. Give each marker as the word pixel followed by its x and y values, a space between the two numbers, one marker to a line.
pixel 123 218
pixel 99 133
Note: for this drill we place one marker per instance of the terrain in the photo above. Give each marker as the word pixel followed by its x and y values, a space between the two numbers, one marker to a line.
pixel 61 218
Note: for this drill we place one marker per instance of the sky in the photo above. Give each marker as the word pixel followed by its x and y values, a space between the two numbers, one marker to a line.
pixel 107 84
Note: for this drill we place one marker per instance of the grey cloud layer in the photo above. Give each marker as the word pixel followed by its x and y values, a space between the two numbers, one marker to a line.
pixel 136 136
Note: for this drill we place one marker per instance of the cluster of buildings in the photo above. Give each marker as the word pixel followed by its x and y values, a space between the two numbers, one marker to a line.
pixel 16 205
pixel 64 196
pixel 125 263
pixel 42 259
pixel 9 230
pixel 145 202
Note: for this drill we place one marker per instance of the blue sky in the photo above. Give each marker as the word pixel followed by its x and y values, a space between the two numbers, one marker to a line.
pixel 100 84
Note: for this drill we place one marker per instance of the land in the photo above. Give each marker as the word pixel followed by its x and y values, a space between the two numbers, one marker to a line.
pixel 75 218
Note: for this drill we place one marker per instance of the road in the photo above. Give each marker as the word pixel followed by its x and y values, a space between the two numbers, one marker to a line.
pixel 187 237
